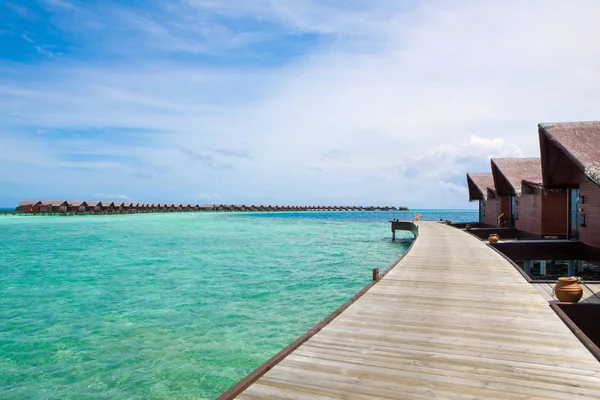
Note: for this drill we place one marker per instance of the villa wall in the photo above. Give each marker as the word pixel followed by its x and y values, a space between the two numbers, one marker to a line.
pixel 491 211
pixel 555 214
pixel 590 233
pixel 529 211
pixel 504 209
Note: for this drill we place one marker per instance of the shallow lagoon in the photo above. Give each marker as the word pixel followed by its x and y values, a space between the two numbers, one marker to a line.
pixel 173 305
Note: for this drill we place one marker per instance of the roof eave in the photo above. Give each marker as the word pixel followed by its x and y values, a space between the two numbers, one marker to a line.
pixel 502 185
pixel 475 192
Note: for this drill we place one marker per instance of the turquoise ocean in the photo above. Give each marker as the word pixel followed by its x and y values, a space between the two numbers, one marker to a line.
pixel 174 306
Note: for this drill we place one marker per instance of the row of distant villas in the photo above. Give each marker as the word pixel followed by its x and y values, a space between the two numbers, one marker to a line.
pixel 117 207
pixel 556 195
pixel 100 207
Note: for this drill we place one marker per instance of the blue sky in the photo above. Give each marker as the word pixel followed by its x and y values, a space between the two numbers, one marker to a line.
pixel 299 102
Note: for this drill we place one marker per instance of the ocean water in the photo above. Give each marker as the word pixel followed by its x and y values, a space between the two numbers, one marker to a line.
pixel 173 306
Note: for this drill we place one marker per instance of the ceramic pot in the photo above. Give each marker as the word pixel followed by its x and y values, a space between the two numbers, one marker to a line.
pixel 493 238
pixel 568 290
pixel 448 222
pixel 468 227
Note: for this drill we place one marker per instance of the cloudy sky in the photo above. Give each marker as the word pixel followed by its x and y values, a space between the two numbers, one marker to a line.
pixel 283 101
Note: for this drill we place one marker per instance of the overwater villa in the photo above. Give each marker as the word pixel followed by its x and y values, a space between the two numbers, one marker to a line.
pixel 508 174
pixel 571 163
pixel 93 206
pixel 51 206
pixel 524 204
pixel 27 206
pixel 481 189
pixel 76 206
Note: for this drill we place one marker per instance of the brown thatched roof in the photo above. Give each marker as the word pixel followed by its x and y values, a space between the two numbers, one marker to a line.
pixel 92 203
pixel 478 183
pixel 54 203
pixel 535 182
pixel 579 141
pixel 76 203
pixel 26 203
pixel 509 174
pixel 106 203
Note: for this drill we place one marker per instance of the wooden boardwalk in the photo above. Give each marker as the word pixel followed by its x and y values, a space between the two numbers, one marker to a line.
pixel 453 320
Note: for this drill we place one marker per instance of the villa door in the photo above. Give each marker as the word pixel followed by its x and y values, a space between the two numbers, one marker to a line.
pixel 513 210
pixel 481 215
pixel 574 213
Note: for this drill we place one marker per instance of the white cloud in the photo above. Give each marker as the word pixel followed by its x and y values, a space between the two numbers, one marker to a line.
pixel 448 159
pixel 417 95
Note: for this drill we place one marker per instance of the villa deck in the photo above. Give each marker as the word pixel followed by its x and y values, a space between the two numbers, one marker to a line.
pixel 452 320
pixel 591 292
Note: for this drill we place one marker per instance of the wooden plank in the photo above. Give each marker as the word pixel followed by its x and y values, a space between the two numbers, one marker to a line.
pixel 549 288
pixel 541 290
pixel 594 288
pixel 588 295
pixel 453 320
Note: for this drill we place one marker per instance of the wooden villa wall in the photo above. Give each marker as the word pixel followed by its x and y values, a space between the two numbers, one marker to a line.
pixel 555 214
pixel 504 209
pixel 590 233
pixel 491 211
pixel 41 208
pixel 529 211
pixel 543 213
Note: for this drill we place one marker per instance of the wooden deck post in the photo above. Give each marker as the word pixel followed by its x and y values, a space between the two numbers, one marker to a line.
pixel 527 266
pixel 393 234
pixel 542 267
pixel 571 268
pixel 375 274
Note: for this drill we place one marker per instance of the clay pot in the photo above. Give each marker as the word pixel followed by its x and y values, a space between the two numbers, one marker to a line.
pixel 448 222
pixel 567 289
pixel 468 227
pixel 493 238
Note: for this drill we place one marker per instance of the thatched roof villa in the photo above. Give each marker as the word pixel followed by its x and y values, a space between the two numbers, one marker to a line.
pixel 481 189
pixel 571 161
pixel 27 206
pixel 52 206
pixel 508 174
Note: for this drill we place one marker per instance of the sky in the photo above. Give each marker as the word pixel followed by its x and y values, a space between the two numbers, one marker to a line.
pixel 283 101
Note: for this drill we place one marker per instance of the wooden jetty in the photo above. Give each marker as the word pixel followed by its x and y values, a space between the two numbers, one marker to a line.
pixel 452 320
